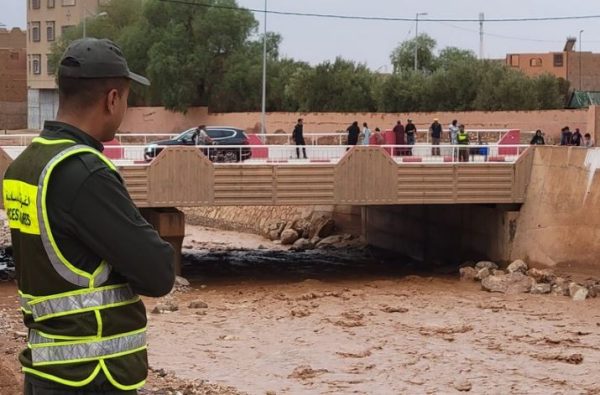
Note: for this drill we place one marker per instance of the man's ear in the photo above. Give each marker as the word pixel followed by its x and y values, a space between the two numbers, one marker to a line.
pixel 112 98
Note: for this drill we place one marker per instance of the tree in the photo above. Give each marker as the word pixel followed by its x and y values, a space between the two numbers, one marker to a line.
pixel 339 86
pixel 452 56
pixel 403 57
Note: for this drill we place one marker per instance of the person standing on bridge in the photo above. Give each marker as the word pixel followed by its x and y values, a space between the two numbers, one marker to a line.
pixel 463 139
pixel 353 132
pixel 82 251
pixel 436 135
pixel 298 136
pixel 366 134
pixel 453 130
pixel 400 140
pixel 411 135
pixel 538 138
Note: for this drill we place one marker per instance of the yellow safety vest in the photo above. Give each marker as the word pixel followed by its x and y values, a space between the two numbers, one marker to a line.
pixel 79 323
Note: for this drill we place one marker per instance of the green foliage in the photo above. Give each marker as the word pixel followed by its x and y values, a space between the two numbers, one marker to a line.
pixel 213 56
pixel 403 57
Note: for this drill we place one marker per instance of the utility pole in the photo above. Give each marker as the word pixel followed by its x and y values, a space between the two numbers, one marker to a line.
pixel 264 78
pixel 417 38
pixel 481 19
pixel 581 31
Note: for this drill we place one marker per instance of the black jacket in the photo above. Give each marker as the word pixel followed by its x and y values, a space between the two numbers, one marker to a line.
pixel 353 132
pixel 298 134
pixel 94 218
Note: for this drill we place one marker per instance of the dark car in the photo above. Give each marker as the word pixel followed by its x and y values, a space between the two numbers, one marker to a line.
pixel 220 137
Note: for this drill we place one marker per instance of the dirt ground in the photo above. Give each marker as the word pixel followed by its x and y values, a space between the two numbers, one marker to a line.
pixel 279 322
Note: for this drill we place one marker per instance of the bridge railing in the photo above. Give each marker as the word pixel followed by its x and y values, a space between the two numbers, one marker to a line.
pixel 419 153
pixel 260 154
pixel 340 138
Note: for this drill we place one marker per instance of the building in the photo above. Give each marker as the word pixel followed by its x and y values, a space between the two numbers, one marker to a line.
pixel 13 79
pixel 581 69
pixel 47 20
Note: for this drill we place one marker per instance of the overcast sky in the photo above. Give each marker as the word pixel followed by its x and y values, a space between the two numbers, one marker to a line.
pixel 314 39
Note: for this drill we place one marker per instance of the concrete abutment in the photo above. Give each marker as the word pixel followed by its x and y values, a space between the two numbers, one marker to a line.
pixel 169 222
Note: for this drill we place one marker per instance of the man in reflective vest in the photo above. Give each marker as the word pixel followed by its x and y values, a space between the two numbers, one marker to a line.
pixel 463 139
pixel 83 252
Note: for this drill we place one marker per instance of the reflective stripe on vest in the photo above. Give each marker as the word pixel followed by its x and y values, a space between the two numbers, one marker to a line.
pixel 59 262
pixel 80 301
pixel 48 351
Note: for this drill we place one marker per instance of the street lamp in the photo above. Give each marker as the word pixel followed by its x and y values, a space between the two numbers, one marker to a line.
pixel 93 16
pixel 581 31
pixel 417 38
pixel 264 78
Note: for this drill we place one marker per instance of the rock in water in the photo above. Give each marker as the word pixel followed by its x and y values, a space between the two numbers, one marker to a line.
pixel 518 266
pixel 541 275
pixel 182 282
pixel 467 273
pixel 197 304
pixel 483 273
pixel 330 242
pixel 578 292
pixel 486 264
pixel 541 288
pixel 462 385
pixel 509 283
pixel 302 245
pixel 289 236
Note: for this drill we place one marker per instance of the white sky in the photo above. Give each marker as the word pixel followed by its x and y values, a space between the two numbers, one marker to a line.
pixel 314 40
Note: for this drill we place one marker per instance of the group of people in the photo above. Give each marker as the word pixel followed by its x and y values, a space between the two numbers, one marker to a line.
pixel 404 135
pixel 567 138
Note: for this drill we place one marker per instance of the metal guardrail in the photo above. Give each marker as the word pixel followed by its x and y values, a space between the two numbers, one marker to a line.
pixel 423 136
pixel 260 154
pixel 273 154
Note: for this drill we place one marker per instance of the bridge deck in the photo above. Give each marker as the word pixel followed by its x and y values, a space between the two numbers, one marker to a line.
pixel 182 176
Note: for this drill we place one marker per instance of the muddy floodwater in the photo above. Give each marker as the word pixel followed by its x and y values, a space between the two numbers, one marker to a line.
pixel 322 323
pixel 318 322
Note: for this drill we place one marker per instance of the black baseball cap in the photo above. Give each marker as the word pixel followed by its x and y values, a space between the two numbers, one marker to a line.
pixel 96 58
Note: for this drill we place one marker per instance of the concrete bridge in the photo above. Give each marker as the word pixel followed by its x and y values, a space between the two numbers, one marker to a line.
pixel 184 177
pixel 364 176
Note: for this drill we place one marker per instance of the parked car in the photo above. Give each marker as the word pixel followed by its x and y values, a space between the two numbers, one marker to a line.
pixel 217 136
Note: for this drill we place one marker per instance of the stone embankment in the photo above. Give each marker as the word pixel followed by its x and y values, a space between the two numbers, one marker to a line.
pixel 301 227
pixel 519 278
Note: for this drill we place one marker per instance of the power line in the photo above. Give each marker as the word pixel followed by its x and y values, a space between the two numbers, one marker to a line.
pixel 385 19
pixel 466 29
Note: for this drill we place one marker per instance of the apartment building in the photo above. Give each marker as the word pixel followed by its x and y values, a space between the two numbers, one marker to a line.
pixel 581 69
pixel 47 20
pixel 13 79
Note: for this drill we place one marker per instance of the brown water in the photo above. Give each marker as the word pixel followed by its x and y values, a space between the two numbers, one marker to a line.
pixel 321 323
pixel 371 328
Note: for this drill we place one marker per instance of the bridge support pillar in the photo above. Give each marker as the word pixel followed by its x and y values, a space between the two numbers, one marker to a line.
pixel 170 225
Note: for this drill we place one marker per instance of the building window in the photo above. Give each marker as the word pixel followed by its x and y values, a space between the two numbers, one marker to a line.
pixel 49 65
pixel 36 64
pixel 50 30
pixel 64 29
pixel 68 3
pixel 35 32
pixel 514 60
pixel 535 62
pixel 35 4
pixel 50 3
pixel 558 60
